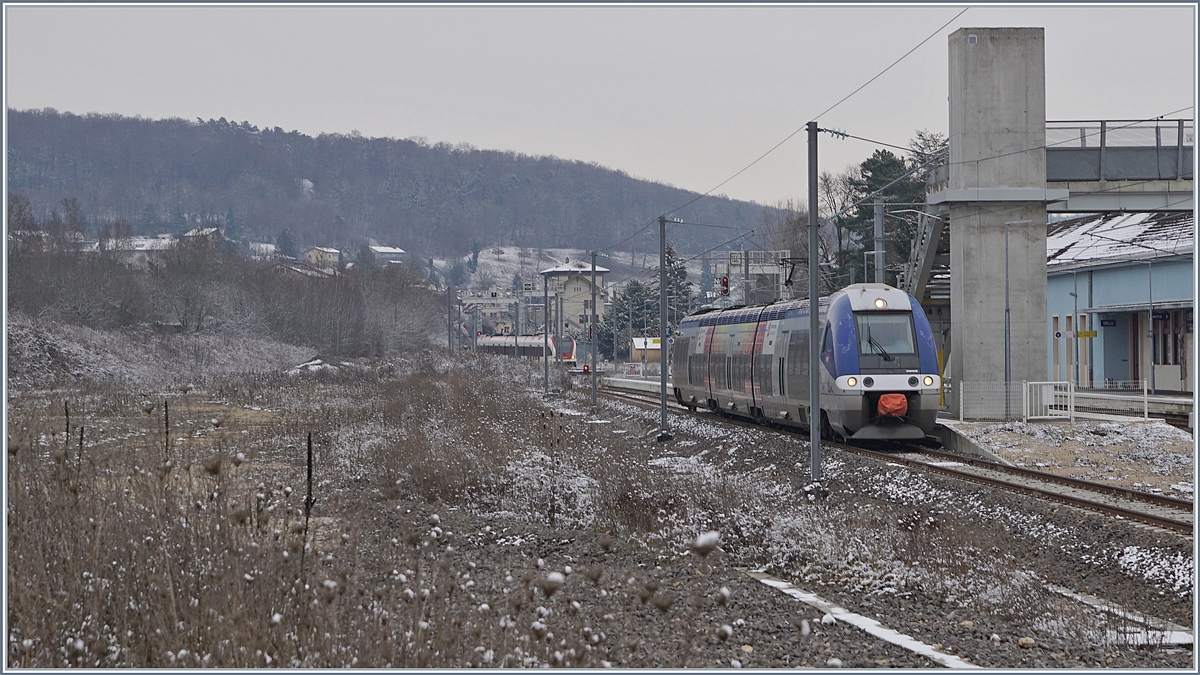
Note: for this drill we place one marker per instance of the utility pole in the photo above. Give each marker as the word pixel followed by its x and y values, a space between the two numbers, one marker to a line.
pixel 879 266
pixel 663 435
pixel 745 276
pixel 450 319
pixel 592 331
pixel 814 324
pixel 546 333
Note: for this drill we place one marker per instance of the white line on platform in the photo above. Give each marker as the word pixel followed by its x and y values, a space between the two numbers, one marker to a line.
pixel 863 623
pixel 1157 631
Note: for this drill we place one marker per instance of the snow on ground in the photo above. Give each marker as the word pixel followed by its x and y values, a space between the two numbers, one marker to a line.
pixel 1145 455
pixel 1165 568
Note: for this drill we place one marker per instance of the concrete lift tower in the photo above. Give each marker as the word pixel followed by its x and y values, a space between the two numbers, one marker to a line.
pixel 997 198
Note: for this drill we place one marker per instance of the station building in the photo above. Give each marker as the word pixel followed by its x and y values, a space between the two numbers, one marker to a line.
pixel 1127 279
pixel 570 286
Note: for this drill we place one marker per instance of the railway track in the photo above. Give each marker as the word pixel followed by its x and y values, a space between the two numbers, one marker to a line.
pixel 1174 515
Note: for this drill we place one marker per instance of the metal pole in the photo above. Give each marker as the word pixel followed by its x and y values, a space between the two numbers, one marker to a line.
pixel 1008 324
pixel 546 333
pixel 662 324
pixel 1150 316
pixel 879 267
pixel 814 324
pixel 1075 321
pixel 1007 328
pixel 592 331
pixel 746 277
pixel 450 319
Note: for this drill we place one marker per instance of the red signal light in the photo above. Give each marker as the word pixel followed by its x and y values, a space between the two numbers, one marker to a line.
pixel 724 285
pixel 586 368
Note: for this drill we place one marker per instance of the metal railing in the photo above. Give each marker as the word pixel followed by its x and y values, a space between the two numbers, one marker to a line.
pixel 1120 134
pixel 1099 150
pixel 1000 401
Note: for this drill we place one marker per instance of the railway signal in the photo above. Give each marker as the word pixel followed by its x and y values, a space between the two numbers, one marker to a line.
pixel 724 285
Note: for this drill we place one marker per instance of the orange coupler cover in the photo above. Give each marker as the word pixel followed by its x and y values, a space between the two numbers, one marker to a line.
pixel 893 405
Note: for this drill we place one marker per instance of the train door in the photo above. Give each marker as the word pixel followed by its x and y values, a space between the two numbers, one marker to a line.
pixel 781 363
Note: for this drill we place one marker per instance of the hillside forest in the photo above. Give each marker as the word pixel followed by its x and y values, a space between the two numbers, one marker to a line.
pixel 338 190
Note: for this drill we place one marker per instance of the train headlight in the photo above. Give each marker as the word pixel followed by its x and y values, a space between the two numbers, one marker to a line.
pixel 868 381
pixel 928 380
pixel 880 303
pixel 852 382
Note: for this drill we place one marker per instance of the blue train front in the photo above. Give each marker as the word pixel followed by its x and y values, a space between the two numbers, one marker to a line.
pixel 879 377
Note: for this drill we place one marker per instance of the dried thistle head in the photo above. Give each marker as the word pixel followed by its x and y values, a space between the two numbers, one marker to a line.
pixel 663 602
pixel 723 596
pixel 213 464
pixel 551 583
pixel 593 573
pixel 706 543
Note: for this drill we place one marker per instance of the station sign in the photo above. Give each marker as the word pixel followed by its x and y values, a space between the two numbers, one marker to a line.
pixel 1064 333
pixel 1161 316
pixel 1108 323
pixel 1087 334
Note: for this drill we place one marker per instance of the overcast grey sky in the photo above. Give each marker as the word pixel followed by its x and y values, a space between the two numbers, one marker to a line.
pixel 686 95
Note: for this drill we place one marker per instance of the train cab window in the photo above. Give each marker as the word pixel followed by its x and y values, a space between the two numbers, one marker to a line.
pixel 885 334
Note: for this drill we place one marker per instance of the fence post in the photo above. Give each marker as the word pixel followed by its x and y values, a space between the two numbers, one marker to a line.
pixel 1145 399
pixel 1024 401
pixel 961 388
pixel 1071 399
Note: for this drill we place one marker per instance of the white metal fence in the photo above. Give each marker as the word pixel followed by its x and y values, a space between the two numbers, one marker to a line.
pixel 1000 401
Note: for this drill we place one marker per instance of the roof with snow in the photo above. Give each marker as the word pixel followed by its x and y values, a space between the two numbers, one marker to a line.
pixel 1113 237
pixel 323 249
pixel 573 267
pixel 387 250
pixel 202 232
pixel 144 244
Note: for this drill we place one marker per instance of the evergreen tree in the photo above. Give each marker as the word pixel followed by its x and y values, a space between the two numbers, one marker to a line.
pixel 679 289
pixel 233 231
pixel 635 303
pixel 881 168
pixel 285 243
pixel 474 264
pixel 366 259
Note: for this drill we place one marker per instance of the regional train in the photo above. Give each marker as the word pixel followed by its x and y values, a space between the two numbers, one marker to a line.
pixel 879 378
pixel 562 348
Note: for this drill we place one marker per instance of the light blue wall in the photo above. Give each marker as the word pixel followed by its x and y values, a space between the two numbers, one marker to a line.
pixel 1128 283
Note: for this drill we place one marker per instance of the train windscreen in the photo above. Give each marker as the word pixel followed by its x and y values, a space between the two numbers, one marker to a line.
pixel 886 334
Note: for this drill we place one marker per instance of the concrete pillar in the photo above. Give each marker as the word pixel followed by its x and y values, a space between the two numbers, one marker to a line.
pixel 997 175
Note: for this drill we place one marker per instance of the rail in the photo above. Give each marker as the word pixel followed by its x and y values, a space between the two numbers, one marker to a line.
pixel 1154 519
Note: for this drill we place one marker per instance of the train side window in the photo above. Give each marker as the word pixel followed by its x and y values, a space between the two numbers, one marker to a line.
pixel 827 352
